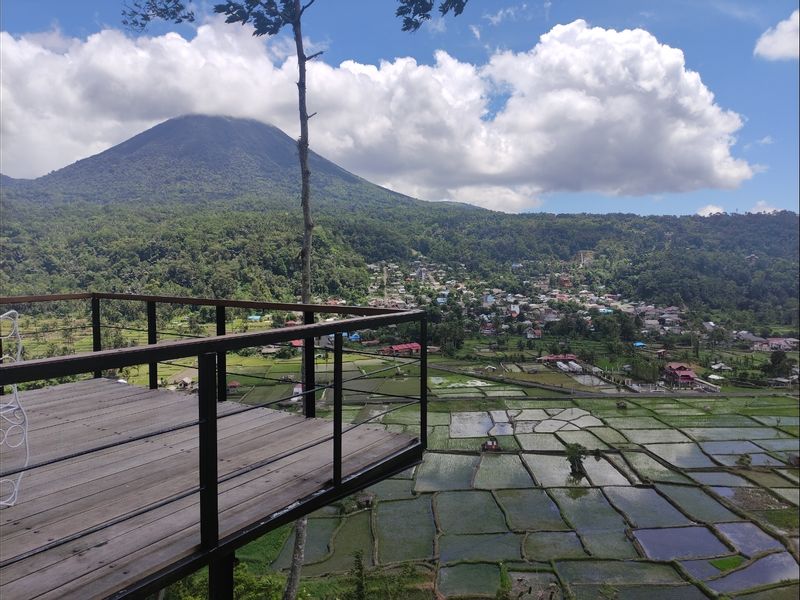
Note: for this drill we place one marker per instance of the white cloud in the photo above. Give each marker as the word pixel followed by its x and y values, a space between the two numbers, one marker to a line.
pixel 747 12
pixel 586 109
pixel 762 207
pixel 476 31
pixel 509 13
pixel 436 25
pixel 764 141
pixel 710 209
pixel 782 41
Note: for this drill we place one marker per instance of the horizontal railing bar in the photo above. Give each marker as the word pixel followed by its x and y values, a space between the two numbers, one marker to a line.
pixel 140 330
pixel 174 497
pixel 47 298
pixel 138 438
pixel 249 407
pixel 386 412
pixel 189 424
pixel 381 394
pixel 371 474
pixel 290 307
pixel 371 373
pixel 306 446
pixel 47 368
pixel 28 333
pixel 384 356
pixel 277 380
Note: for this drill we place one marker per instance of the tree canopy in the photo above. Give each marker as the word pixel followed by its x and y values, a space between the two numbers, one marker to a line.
pixel 415 12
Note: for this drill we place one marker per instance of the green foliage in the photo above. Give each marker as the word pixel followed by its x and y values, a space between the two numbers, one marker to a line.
pixel 727 563
pixel 575 455
pixel 608 592
pixel 779 365
pixel 261 553
pixel 415 12
pixel 267 18
pixel 247 586
pixel 222 220
pixel 504 590
pixel 359 576
pixel 361 584
pixel 138 15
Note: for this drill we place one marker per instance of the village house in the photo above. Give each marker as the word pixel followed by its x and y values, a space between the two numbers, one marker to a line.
pixel 533 333
pixel 554 358
pixel 772 344
pixel 409 349
pixel 679 375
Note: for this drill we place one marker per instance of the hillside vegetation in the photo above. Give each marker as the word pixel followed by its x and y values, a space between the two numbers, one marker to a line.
pixel 209 206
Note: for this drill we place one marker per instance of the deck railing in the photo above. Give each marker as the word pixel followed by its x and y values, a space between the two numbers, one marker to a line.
pixel 210 353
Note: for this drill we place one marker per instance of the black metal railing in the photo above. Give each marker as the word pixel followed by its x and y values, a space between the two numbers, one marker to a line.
pixel 210 353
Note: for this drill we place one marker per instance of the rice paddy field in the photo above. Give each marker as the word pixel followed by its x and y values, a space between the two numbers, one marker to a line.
pixel 683 498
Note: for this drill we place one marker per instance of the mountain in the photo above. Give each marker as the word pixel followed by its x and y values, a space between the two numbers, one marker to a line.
pixel 195 158
pixel 203 205
pixel 6 181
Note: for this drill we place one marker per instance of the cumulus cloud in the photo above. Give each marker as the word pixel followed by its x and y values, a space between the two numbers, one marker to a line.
pixel 710 209
pixel 782 41
pixel 504 14
pixel 762 207
pixel 586 109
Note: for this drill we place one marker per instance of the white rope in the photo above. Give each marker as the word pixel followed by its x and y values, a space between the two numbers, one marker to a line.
pixel 13 419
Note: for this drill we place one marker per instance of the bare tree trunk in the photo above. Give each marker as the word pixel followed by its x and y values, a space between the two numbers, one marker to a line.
pixel 302 150
pixel 298 555
pixel 301 525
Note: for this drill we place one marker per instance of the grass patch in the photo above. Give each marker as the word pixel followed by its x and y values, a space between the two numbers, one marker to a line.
pixel 727 563
pixel 261 553
pixel 785 519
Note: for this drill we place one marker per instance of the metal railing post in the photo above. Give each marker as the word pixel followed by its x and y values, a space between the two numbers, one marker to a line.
pixel 423 381
pixel 97 343
pixel 309 377
pixel 220 577
pixel 222 362
pixel 337 409
pixel 152 339
pixel 2 387
pixel 207 409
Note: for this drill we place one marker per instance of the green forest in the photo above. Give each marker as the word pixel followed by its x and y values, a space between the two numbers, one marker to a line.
pixel 208 206
pixel 238 250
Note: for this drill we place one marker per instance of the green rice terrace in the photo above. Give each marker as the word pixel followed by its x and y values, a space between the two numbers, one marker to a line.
pixel 688 497
pixel 682 496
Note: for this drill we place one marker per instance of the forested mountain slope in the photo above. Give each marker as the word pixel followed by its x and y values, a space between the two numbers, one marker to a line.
pixel 209 206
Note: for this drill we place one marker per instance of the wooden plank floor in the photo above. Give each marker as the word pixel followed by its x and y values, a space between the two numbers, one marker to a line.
pixel 68 500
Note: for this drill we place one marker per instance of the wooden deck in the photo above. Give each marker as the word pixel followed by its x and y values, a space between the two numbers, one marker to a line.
pixel 70 500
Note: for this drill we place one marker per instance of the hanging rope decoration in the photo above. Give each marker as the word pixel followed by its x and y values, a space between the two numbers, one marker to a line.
pixel 13 420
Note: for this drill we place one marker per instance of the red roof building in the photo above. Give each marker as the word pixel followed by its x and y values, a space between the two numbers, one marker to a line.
pixel 679 375
pixel 557 357
pixel 411 348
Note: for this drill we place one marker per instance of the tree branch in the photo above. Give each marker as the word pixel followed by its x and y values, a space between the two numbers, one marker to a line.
pixel 302 10
pixel 315 55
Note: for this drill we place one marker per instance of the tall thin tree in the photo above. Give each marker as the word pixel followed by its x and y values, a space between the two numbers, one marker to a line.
pixel 267 18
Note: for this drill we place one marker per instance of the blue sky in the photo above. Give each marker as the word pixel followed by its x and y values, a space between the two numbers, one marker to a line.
pixel 741 154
